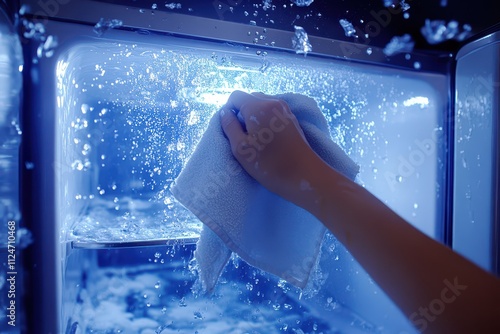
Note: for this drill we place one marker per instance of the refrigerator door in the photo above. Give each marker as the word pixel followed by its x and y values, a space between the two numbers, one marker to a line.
pixel 476 197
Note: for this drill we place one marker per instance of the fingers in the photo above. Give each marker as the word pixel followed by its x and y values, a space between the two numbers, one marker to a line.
pixel 284 108
pixel 249 108
pixel 232 127
pixel 238 99
pixel 262 95
pixel 252 109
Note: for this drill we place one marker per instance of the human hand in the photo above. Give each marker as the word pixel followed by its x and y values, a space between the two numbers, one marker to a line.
pixel 270 145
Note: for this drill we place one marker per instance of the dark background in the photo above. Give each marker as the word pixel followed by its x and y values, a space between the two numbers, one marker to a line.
pixel 321 18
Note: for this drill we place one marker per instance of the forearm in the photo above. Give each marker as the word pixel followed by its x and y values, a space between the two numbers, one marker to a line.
pixel 413 269
pixel 410 267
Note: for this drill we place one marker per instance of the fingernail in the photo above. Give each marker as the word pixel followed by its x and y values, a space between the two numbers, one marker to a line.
pixel 222 112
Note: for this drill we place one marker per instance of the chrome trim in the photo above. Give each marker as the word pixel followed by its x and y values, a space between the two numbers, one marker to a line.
pixel 133 243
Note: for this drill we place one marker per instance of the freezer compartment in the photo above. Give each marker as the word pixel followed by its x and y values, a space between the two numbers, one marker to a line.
pixel 153 290
pixel 121 114
pixel 129 115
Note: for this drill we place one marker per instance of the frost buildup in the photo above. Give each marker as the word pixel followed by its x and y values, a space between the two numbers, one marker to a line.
pixel 47 48
pixel 393 3
pixel 103 25
pixel 36 31
pixel 404 5
pixel 348 28
pixel 302 3
pixel 399 44
pixel 301 41
pixel 173 5
pixel 437 31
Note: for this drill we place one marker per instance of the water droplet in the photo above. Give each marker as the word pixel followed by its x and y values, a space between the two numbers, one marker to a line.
pixel 104 25
pixel 84 108
pixel 86 149
pixel 77 165
pixel 399 44
pixel 300 41
pixel 331 248
pixel 464 162
pixel 348 28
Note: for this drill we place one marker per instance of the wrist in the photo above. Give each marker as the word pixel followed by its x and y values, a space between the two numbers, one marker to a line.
pixel 316 185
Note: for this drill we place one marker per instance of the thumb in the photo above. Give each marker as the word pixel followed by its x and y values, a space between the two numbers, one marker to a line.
pixel 232 127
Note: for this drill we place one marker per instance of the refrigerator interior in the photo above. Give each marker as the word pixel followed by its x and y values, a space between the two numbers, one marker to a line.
pixel 110 116
pixel 129 110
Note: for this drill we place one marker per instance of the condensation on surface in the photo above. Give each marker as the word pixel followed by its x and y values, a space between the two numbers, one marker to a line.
pixel 132 115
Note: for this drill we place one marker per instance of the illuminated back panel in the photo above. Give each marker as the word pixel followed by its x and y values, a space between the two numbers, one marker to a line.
pixel 131 114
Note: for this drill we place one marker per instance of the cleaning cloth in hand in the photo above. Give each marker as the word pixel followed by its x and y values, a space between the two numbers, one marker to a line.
pixel 241 216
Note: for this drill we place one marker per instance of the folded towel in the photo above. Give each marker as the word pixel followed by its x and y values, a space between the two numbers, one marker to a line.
pixel 242 216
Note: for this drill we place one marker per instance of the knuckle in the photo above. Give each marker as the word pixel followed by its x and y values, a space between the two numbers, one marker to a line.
pixel 238 147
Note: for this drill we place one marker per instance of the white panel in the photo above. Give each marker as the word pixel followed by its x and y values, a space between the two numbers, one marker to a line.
pixel 477 93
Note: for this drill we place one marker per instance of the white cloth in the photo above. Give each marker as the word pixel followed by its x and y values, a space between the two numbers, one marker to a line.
pixel 241 216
